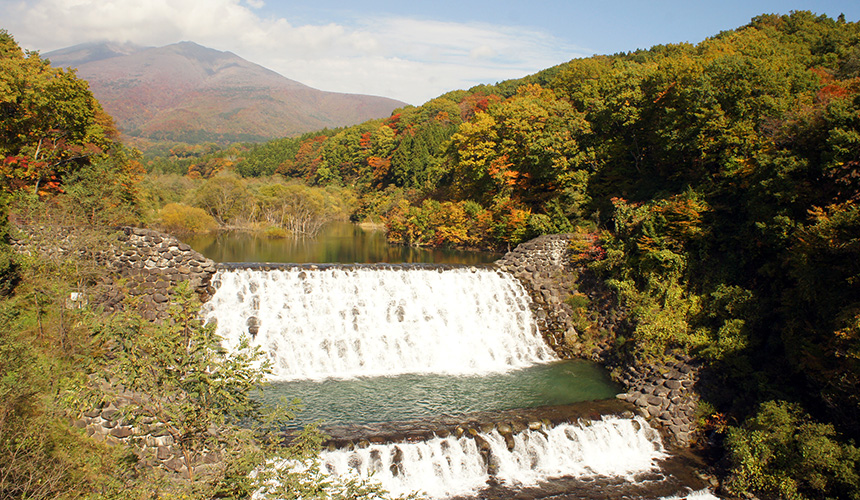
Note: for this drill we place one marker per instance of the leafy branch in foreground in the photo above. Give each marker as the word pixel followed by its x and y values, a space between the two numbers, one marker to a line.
pixel 177 373
pixel 178 378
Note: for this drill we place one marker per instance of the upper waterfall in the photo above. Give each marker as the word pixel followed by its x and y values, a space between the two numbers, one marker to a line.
pixel 341 322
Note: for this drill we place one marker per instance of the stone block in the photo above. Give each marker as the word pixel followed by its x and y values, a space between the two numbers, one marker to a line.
pixel 164 440
pixel 121 432
pixel 653 400
pixel 175 464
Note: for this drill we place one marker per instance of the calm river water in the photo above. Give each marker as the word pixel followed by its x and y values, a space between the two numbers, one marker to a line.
pixel 339 242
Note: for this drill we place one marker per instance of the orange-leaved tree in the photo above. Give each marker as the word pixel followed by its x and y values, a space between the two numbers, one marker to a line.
pixel 50 123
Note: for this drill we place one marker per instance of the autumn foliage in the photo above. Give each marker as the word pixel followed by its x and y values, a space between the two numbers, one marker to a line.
pixel 50 124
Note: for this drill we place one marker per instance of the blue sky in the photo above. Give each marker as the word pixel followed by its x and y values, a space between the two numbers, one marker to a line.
pixel 412 50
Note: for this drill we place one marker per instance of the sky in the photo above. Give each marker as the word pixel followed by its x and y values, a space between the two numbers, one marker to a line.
pixel 411 50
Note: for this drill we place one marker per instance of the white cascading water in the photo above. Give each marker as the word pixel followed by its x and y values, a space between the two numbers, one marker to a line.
pixel 444 467
pixel 344 322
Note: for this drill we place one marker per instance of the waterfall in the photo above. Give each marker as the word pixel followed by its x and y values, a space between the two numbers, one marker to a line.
pixel 346 322
pixel 342 322
pixel 445 467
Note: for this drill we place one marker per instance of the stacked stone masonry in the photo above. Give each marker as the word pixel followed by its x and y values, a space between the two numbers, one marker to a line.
pixel 150 263
pixel 541 265
pixel 150 438
pixel 664 394
pixel 154 263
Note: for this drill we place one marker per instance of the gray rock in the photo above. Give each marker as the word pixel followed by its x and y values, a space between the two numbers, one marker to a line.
pixel 121 432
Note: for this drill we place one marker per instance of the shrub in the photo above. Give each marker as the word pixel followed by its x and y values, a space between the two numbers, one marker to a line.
pixel 781 451
pixel 275 232
pixel 178 218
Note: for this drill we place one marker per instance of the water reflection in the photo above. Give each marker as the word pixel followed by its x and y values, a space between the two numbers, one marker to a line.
pixel 341 242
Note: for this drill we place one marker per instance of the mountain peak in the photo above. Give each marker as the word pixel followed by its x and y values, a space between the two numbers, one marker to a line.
pixel 89 52
pixel 196 51
pixel 188 92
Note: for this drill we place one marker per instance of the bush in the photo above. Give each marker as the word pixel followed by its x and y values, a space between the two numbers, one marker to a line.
pixel 275 232
pixel 177 218
pixel 781 451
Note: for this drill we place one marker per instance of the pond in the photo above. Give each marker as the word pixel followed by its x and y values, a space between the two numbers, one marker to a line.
pixel 415 396
pixel 338 242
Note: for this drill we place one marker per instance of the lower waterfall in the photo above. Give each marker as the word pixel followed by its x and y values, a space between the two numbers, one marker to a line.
pixel 450 466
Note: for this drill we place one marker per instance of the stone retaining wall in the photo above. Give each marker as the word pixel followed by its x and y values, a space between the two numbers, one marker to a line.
pixel 666 395
pixel 541 265
pixel 151 263
pixel 150 438
pixel 663 394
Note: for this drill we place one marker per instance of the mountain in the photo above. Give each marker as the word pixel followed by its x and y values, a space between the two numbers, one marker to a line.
pixel 190 93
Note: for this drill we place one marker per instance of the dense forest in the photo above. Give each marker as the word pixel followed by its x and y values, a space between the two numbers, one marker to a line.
pixel 713 188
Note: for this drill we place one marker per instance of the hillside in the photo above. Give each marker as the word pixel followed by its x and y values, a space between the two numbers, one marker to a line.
pixel 191 93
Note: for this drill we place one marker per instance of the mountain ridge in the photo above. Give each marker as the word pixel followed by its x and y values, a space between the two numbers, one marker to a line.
pixel 190 93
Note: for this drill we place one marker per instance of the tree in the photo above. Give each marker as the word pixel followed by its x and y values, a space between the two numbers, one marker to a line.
pixel 782 451
pixel 105 192
pixel 222 197
pixel 182 377
pixel 50 123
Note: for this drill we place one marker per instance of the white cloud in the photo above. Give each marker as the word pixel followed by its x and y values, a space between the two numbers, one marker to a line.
pixel 482 52
pixel 409 59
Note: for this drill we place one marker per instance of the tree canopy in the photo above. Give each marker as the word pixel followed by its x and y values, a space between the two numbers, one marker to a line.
pixel 50 123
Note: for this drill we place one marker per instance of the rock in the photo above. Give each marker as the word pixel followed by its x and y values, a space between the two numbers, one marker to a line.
pixel 121 432
pixel 653 400
pixel 175 464
pixel 109 413
pixel 253 324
